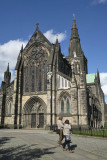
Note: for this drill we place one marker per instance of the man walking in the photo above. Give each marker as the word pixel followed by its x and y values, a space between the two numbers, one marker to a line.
pixel 60 129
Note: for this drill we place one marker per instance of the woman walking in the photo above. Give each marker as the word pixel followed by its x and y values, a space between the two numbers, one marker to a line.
pixel 66 132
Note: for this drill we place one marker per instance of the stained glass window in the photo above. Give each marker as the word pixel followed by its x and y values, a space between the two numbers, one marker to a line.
pixel 26 79
pixel 62 106
pixel 67 106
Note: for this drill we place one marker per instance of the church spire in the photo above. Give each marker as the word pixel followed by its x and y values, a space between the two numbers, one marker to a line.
pixel 74 30
pixel 74 46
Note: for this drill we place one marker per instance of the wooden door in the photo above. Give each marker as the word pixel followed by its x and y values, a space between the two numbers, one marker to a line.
pixel 33 120
pixel 41 120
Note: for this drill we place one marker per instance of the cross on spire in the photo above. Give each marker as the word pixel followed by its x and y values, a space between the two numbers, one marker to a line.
pixel 37 24
pixel 73 15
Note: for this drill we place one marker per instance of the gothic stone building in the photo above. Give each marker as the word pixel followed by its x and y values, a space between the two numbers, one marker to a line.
pixel 48 85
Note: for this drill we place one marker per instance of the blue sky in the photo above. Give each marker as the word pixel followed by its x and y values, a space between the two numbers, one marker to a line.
pixel 18 20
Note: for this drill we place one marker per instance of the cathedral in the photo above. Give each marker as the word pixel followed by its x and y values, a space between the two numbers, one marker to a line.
pixel 48 85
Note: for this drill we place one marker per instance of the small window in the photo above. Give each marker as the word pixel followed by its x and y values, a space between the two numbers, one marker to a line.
pixel 62 82
pixel 65 83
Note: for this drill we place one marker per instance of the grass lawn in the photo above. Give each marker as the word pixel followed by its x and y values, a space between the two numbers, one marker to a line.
pixel 100 132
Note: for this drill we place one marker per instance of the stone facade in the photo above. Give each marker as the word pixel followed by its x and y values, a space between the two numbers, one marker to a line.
pixel 48 85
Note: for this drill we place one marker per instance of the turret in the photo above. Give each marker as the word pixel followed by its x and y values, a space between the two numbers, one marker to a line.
pixel 76 55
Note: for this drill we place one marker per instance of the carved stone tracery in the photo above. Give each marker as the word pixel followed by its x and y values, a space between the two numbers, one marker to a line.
pixel 37 54
pixel 35 107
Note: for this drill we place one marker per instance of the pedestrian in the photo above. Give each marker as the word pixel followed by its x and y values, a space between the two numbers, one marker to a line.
pixel 60 130
pixel 67 132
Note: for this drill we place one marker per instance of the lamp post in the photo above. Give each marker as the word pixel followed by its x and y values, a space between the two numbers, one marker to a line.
pixel 49 74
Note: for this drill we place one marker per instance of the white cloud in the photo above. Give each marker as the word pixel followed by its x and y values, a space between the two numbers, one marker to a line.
pixel 99 2
pixel 104 88
pixel 103 79
pixel 52 37
pixel 8 54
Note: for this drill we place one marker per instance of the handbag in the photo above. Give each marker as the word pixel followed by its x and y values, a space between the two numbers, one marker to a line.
pixel 58 131
pixel 67 138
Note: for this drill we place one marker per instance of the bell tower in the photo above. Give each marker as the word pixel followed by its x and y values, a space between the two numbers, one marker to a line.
pixel 76 56
pixel 78 64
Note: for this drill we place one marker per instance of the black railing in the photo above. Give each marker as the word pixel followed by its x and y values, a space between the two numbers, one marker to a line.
pixel 90 132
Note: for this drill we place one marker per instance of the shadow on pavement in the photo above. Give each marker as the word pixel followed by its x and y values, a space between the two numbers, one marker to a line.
pixel 23 152
pixel 5 140
pixel 73 146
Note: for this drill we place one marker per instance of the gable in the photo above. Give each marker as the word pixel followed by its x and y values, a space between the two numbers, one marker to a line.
pixel 39 38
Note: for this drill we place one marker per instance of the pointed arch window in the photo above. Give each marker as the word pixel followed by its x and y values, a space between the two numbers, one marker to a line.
pixel 62 106
pixel 10 108
pixel 67 106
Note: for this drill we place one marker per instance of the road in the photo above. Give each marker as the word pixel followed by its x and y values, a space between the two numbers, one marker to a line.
pixel 42 145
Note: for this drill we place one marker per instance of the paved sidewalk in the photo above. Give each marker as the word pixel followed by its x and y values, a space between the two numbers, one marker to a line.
pixel 42 145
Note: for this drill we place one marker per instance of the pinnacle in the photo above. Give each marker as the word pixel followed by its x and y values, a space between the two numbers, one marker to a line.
pixel 56 38
pixel 8 68
pixel 21 48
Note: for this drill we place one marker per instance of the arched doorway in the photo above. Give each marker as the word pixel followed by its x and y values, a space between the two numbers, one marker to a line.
pixel 34 113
